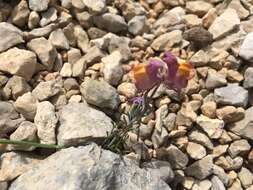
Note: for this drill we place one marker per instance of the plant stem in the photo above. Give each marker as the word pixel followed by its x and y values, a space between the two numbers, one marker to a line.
pixel 27 143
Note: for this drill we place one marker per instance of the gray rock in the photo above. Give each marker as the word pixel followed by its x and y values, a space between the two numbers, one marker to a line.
pixel 4 185
pixel 14 164
pixel 45 51
pixel 80 123
pixel 59 40
pixel 223 176
pixel 176 157
pixel 48 16
pixel 9 118
pixel 138 25
pixel 225 23
pixel 81 38
pixel 246 177
pixel 248 78
pixel 33 20
pixel 200 138
pixel 20 14
pixel 26 131
pixel 217 184
pixel 45 90
pixel 96 7
pixel 247 48
pixel 38 5
pixel 111 22
pixel 10 36
pixel 100 93
pixel 232 94
pixel 201 169
pixel 215 79
pixel 238 147
pixel 94 169
pixel 15 87
pixel 161 169
pixel 244 127
pixel 112 70
pixel 18 62
pixel 40 32
pixel 46 120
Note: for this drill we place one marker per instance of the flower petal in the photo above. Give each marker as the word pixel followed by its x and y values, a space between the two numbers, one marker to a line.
pixel 172 65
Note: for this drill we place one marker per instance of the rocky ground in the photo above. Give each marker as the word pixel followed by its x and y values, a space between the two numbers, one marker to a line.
pixel 64 77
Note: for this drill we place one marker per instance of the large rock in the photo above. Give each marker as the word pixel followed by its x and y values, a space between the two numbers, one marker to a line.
pixel 100 93
pixel 199 8
pixel 246 49
pixel 232 95
pixel 20 14
pixel 38 6
pixel 45 51
pixel 87 168
pixel 46 120
pixel 244 127
pixel 10 36
pixel 96 7
pixel 80 123
pixel 18 62
pixel 225 23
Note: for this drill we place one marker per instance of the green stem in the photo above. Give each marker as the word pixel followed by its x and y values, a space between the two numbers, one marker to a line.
pixel 27 143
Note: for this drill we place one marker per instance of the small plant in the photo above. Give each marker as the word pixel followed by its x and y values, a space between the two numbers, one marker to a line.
pixel 171 71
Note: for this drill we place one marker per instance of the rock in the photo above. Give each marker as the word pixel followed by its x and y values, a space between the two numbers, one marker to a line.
pixel 223 176
pixel 70 84
pixel 38 6
pixel 138 25
pixel 20 14
pixel 219 150
pixel 246 48
pixel 229 163
pixel 59 40
pixel 199 36
pixel 4 185
pixel 40 32
pixel 94 33
pixel 100 93
pixel 127 89
pixel 111 22
pixel 202 185
pixel 80 123
pixel 112 70
pixel 200 58
pixel 18 62
pixel 9 118
pixel 192 20
pixel 161 169
pixel 33 20
pixel 46 120
pixel 209 109
pixel 217 184
pixel 238 147
pixel 73 55
pixel 186 116
pixel 215 79
pixel 14 164
pixel 225 23
pixel 167 40
pixel 48 16
pixel 246 177
pixel 200 138
pixel 248 78
pixel 176 157
pixel 201 168
pixel 81 38
pixel 26 131
pixel 230 114
pixel 82 160
pixel 66 70
pixel 45 90
pixel 243 127
pixel 213 127
pixel 196 151
pixel 199 8
pixel 232 95
pixel 10 36
pixel 241 11
pixel 96 7
pixel 26 105
pixel 169 121
pixel 234 76
pixel 236 185
pixel 44 50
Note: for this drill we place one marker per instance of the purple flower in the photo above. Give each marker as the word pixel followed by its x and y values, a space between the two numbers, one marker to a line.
pixel 138 100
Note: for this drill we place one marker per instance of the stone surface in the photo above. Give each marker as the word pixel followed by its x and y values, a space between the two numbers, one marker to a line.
pixel 18 62
pixel 38 6
pixel 238 147
pixel 246 177
pixel 198 7
pixel 230 114
pixel 246 48
pixel 10 36
pixel 46 120
pixel 138 25
pixel 196 151
pixel 215 79
pixel 200 138
pixel 44 50
pixel 217 184
pixel 20 14
pixel 95 6
pixel 232 95
pixel 88 163
pixel 201 169
pixel 80 123
pixel 176 157
pixel 248 78
pixel 202 185
pixel 225 23
pixel 59 40
pixel 100 93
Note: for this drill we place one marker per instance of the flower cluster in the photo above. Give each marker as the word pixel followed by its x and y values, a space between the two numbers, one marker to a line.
pixel 170 70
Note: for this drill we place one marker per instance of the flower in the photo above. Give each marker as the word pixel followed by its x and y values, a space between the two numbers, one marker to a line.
pixel 138 100
pixel 172 71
